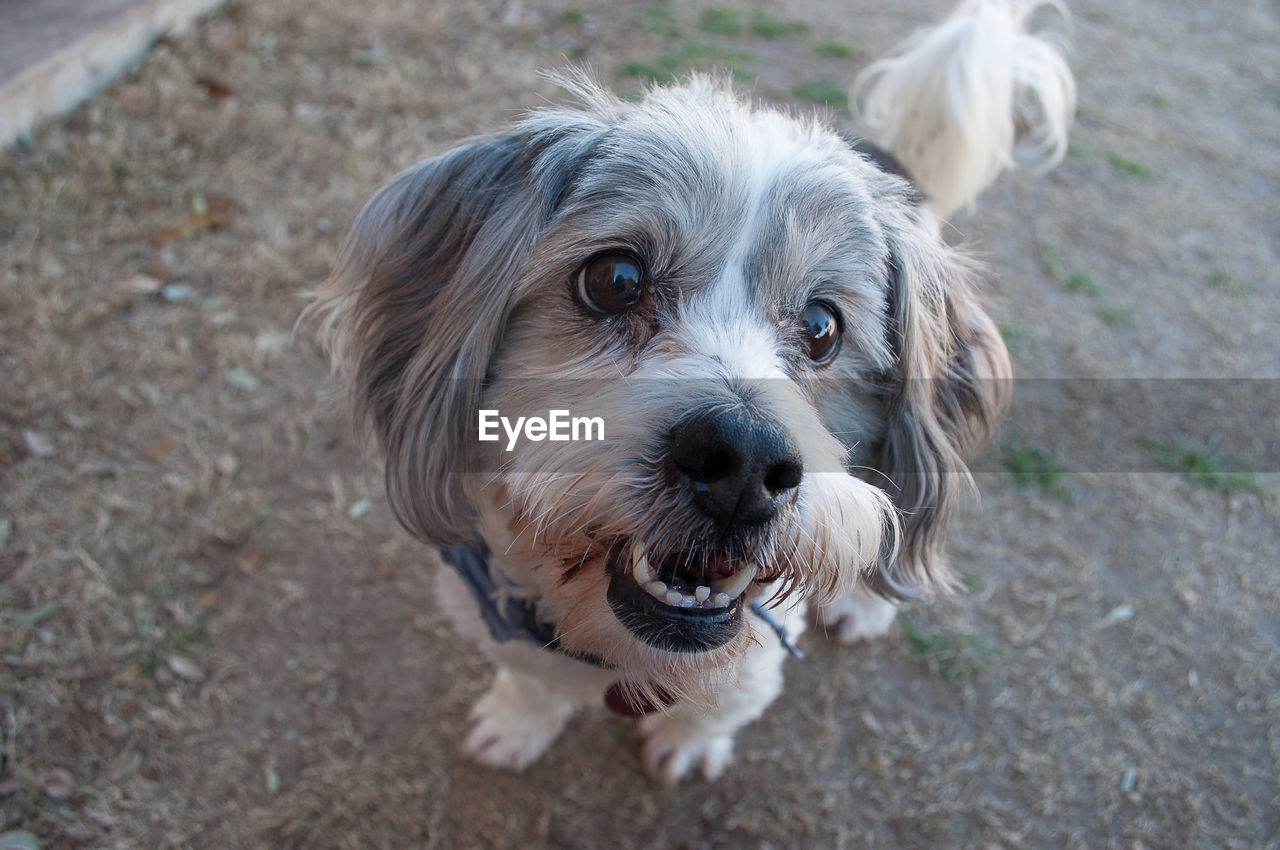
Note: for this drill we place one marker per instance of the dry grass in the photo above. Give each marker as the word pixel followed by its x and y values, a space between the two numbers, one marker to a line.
pixel 204 645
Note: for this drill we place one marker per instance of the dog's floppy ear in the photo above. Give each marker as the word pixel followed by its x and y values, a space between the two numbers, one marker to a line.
pixel 418 304
pixel 948 389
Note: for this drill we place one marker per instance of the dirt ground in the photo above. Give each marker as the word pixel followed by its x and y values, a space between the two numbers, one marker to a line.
pixel 213 634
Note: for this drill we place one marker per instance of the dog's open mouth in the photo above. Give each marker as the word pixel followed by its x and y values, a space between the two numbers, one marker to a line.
pixel 678 601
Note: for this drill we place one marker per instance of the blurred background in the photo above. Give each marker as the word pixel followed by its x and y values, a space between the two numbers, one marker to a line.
pixel 213 634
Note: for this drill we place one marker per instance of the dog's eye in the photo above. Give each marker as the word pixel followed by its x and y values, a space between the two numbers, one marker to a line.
pixel 610 283
pixel 821 328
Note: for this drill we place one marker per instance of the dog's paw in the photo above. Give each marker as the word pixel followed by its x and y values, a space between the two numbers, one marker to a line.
pixel 510 729
pixel 857 615
pixel 673 746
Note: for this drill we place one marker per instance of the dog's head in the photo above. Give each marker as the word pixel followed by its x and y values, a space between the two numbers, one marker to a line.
pixel 788 362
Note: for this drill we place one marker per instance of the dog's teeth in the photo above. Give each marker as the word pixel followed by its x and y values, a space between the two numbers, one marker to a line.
pixel 641 570
pixel 736 583
pixel 719 594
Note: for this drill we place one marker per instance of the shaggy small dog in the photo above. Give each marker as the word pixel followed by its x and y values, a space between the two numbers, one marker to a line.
pixel 787 363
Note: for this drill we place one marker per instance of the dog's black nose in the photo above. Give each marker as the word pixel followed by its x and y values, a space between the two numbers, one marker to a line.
pixel 737 466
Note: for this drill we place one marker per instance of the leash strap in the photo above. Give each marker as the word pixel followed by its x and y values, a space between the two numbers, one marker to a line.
pixel 772 622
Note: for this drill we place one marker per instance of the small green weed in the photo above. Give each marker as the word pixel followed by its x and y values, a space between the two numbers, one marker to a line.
pixel 373 57
pixel 644 70
pixel 1015 338
pixel 954 658
pixel 1051 262
pixel 660 19
pixel 33 616
pixel 166 643
pixel 1130 165
pixel 821 91
pixel 686 56
pixel 1208 468
pixel 1081 282
pixel 838 49
pixel 1224 282
pixel 720 20
pixel 1075 281
pixel 1114 316
pixel 1035 468
pixel 766 26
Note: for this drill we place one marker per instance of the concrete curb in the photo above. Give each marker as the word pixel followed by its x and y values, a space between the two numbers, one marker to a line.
pixel 73 60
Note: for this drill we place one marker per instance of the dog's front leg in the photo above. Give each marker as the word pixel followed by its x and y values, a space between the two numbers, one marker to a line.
pixel 686 734
pixel 518 718
pixel 857 615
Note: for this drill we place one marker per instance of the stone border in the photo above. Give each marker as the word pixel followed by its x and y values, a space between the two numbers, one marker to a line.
pixel 79 68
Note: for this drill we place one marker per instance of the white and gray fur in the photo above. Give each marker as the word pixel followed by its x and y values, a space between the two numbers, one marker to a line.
pixel 454 293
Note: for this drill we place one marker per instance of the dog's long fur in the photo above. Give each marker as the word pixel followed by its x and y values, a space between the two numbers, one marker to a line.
pixel 454 293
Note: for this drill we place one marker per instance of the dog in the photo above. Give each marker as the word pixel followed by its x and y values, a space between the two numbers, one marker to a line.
pixel 790 364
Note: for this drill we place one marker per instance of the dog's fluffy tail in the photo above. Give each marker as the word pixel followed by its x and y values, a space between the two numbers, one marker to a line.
pixel 959 102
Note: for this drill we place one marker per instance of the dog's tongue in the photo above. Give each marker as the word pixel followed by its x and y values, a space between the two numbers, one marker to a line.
pixel 720 565
pixel 626 702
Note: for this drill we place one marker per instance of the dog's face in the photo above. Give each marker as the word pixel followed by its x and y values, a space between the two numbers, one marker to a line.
pixel 787 360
